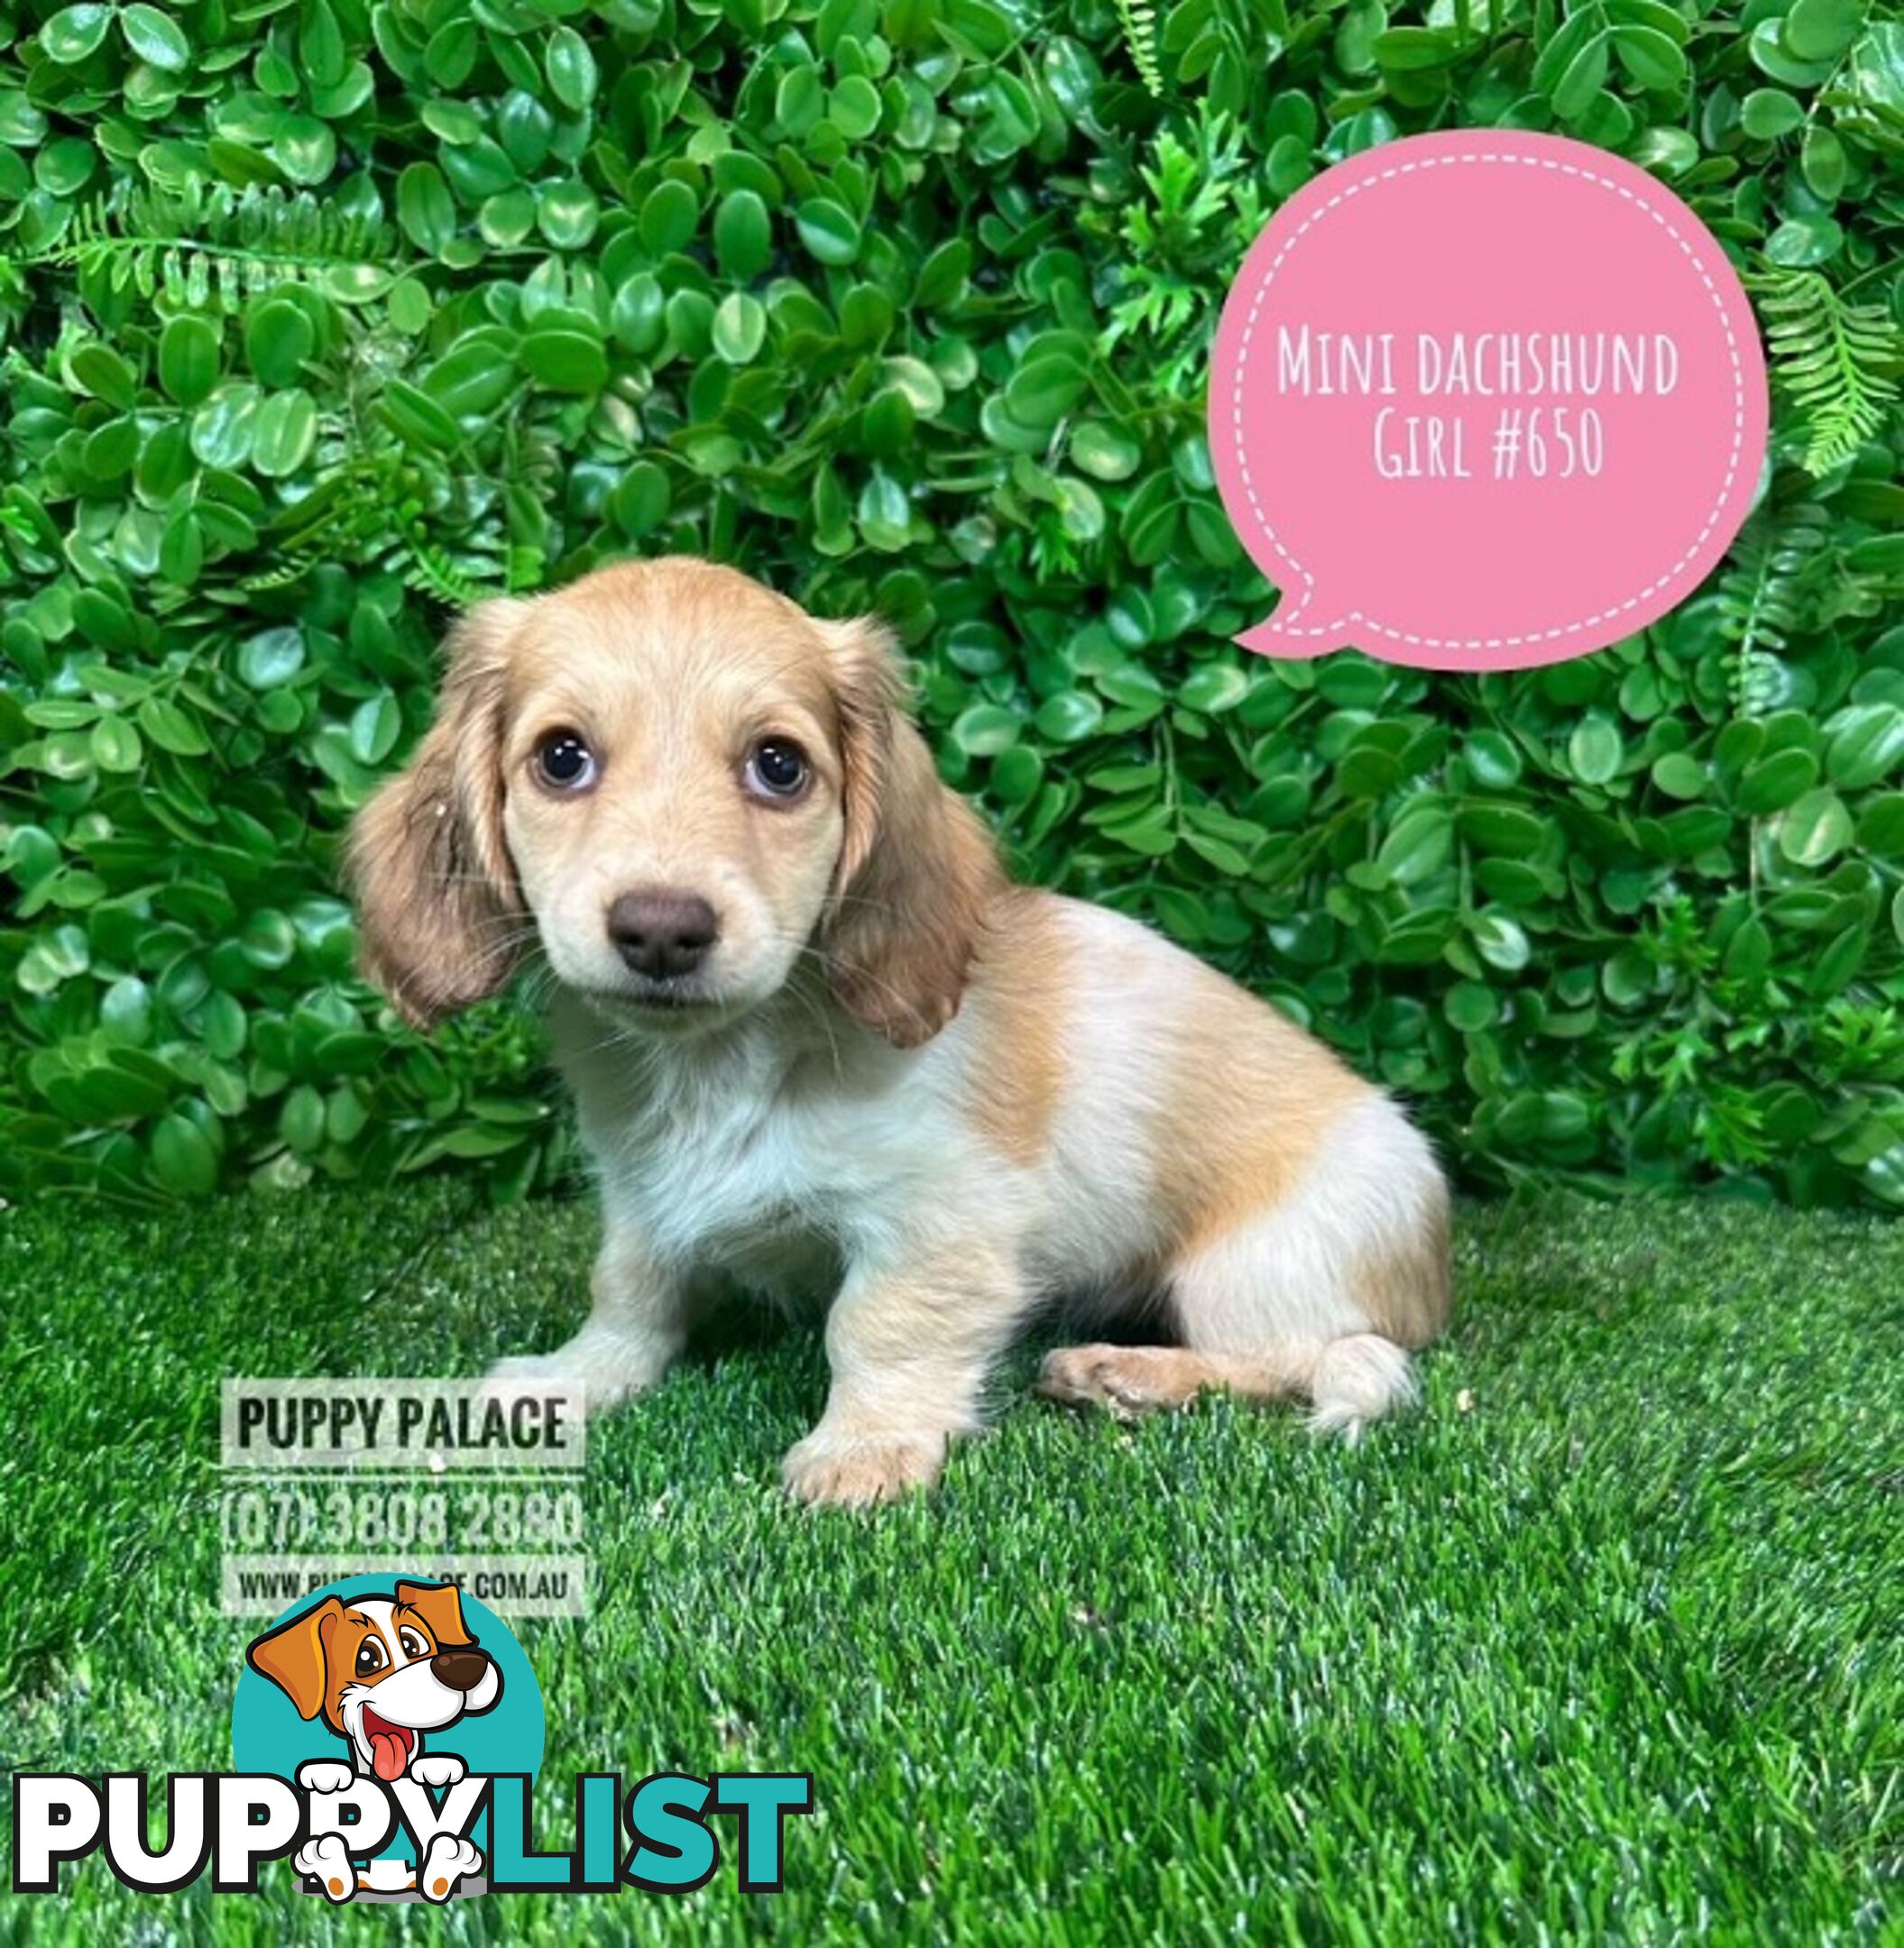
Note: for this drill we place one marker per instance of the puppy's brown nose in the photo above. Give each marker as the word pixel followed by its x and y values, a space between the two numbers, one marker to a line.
pixel 461 1670
pixel 661 933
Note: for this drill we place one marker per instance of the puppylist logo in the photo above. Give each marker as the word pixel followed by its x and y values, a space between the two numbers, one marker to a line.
pixel 386 1731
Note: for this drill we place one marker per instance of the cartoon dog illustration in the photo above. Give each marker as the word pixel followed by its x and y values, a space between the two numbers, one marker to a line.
pixel 381 1671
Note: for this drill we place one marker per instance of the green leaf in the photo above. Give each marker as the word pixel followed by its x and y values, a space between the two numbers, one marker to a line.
pixel 1410 50
pixel 188 359
pixel 1679 775
pixel 853 108
pixel 668 217
pixel 1767 113
pixel 104 373
pixel 565 361
pixel 567 213
pixel 284 432
pixel 279 338
pixel 155 37
pixel 473 379
pixel 827 231
pixel 116 746
pixel 1104 451
pixel 170 729
pixel 1776 781
pixel 1500 942
pixel 271 657
pixel 1655 60
pixel 426 208
pixel 743 235
pixel 986 730
pixel 1822 161
pixel 74 33
pixel 1594 751
pixel 184 1160
pixel 800 101
pixel 1069 717
pixel 125 1010
pixel 1816 829
pixel 1866 747
pixel 571 69
pixel 740 328
pixel 321 45
pixel 1822 30
pixel 1774 56
pixel 1213 687
pixel 374 727
pixel 640 501
pixel 1803 241
pixel 1584 77
pixel 1044 390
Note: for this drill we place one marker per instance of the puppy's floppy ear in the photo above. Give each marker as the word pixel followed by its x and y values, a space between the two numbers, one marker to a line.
pixel 917 867
pixel 440 1606
pixel 436 895
pixel 292 1656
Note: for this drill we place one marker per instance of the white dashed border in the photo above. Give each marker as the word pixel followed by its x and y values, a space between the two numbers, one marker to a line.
pixel 1356 616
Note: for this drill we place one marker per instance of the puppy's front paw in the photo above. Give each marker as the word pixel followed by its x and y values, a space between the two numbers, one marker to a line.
pixel 327 1861
pixel 325 1776
pixel 609 1368
pixel 447 1861
pixel 437 1768
pixel 856 1470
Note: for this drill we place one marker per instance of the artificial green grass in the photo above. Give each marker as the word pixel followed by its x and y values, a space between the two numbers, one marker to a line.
pixel 1602 1645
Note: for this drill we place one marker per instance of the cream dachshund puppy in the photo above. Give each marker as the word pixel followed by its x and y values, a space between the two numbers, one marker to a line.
pixel 820 1045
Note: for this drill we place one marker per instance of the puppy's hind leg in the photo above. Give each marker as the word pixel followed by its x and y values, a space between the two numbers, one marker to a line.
pixel 1317 1295
pixel 1350 1379
pixel 1129 1380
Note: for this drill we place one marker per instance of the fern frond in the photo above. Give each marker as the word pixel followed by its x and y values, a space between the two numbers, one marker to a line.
pixel 432 571
pixel 1138 20
pixel 1837 362
pixel 205 244
pixel 1764 591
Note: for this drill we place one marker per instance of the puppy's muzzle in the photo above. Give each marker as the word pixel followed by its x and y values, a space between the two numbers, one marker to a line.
pixel 662 934
pixel 461 1670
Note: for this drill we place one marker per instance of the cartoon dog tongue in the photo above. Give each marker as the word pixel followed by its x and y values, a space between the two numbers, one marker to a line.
pixel 388 1751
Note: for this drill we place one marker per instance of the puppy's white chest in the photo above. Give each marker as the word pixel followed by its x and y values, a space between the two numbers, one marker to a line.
pixel 741 1160
pixel 718 1187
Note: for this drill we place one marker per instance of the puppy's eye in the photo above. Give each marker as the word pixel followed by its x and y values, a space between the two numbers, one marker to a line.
pixel 565 762
pixel 412 1644
pixel 370 1658
pixel 777 768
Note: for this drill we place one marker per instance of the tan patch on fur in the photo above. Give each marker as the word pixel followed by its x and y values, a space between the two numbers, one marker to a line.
pixel 1253 1097
pixel 1020 992
pixel 1407 1293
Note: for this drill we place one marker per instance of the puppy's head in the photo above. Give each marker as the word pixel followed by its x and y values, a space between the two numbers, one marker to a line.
pixel 682 786
pixel 381 1670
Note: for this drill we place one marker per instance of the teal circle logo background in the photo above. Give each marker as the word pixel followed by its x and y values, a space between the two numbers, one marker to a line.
pixel 269 1736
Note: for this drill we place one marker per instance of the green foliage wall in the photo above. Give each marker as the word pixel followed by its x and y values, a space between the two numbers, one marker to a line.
pixel 321 317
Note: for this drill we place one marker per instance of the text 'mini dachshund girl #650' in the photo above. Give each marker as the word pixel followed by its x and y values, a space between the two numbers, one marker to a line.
pixel 823 1047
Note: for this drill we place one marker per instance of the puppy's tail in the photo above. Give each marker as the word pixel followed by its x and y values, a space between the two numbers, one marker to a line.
pixel 1358 1379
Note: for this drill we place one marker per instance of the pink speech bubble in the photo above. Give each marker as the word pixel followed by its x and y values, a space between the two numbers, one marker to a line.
pixel 1482 400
